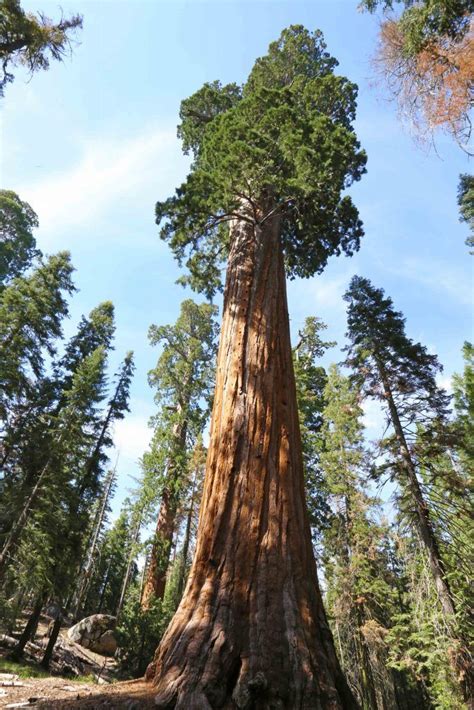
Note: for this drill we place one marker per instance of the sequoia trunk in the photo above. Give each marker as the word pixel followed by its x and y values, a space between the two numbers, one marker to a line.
pixel 251 631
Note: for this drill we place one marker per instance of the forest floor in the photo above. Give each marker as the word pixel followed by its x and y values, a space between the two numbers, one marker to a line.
pixel 78 678
pixel 56 693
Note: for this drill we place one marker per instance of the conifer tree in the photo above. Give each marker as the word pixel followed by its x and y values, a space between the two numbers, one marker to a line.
pixel 463 394
pixel 466 204
pixel 401 374
pixel 32 308
pixel 17 243
pixel 182 379
pixel 361 597
pixel 270 161
pixel 31 40
pixel 71 439
pixel 107 580
pixel 311 379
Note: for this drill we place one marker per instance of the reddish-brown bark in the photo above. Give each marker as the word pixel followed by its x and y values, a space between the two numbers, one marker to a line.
pixel 155 580
pixel 251 631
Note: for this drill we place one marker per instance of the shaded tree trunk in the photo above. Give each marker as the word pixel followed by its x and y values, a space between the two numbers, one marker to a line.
pixel 30 628
pixel 251 631
pixel 52 641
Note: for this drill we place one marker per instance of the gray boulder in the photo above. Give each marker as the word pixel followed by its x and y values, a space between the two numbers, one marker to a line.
pixel 95 632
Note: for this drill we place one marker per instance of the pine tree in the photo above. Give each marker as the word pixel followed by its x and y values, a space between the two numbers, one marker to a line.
pixel 401 374
pixel 360 594
pixel 269 164
pixel 107 581
pixel 463 394
pixel 182 379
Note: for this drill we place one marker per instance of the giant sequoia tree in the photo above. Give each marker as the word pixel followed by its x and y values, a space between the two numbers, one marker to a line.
pixel 270 163
pixel 183 382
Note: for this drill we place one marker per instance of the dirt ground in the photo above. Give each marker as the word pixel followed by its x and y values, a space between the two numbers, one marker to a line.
pixel 59 694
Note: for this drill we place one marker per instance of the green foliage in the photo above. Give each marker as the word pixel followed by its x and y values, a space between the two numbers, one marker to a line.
pixel 463 397
pixel 96 330
pixel 377 339
pixel 283 145
pixel 417 641
pixel 466 204
pixel 183 376
pixel 310 382
pixel 183 380
pixel 22 669
pixel 31 41
pixel 139 632
pixel 17 243
pixel 360 596
pixel 427 20
pixel 31 311
pixel 115 549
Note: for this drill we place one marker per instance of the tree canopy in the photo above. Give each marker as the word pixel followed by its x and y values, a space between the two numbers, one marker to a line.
pixel 282 143
pixel 17 243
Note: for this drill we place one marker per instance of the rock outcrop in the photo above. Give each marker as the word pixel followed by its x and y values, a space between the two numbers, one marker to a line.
pixel 95 632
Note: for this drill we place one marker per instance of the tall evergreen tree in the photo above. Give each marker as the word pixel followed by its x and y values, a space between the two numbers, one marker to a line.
pixel 311 380
pixel 71 434
pixel 182 379
pixel 401 374
pixel 270 161
pixel 361 596
pixel 32 308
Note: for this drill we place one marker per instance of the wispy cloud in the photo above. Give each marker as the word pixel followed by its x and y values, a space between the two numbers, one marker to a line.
pixel 111 170
pixel 437 277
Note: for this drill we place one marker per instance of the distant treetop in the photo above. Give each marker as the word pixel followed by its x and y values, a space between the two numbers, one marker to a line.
pixel 31 40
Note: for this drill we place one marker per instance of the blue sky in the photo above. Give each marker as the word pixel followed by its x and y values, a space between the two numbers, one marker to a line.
pixel 91 145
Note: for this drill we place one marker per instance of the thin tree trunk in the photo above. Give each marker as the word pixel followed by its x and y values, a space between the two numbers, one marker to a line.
pixel 424 525
pixel 251 631
pixel 86 573
pixel 14 536
pixel 461 660
pixel 104 588
pixel 30 627
pixel 126 579
pixel 52 641
pixel 155 581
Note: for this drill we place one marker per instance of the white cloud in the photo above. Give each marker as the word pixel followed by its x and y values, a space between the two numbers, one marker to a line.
pixel 132 436
pixel 144 166
pixel 318 293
